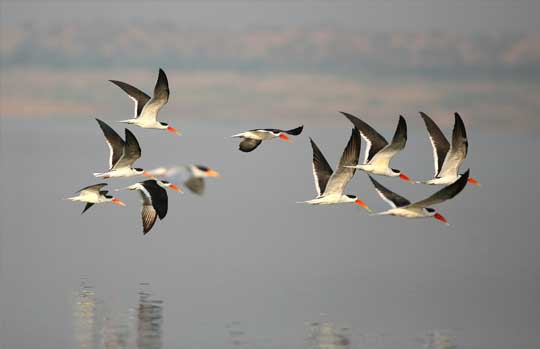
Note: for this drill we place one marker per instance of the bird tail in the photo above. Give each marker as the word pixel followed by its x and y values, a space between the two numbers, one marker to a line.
pixel 126 121
pixel 237 135
pixel 100 174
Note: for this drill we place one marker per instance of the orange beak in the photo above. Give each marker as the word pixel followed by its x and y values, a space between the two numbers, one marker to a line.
pixel 284 137
pixel 175 188
pixel 473 181
pixel 118 202
pixel 212 173
pixel 148 174
pixel 362 204
pixel 405 178
pixel 173 130
pixel 440 217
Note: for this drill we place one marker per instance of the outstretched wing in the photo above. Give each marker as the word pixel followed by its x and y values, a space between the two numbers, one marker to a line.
pixel 321 169
pixel 383 157
pixel 342 176
pixel 88 205
pixel 149 216
pixel 389 196
pixel 374 141
pixel 139 97
pixel 445 193
pixel 132 151
pixel 114 141
pixel 249 144
pixel 161 97
pixel 458 151
pixel 94 188
pixel 438 142
pixel 195 184
pixel 295 131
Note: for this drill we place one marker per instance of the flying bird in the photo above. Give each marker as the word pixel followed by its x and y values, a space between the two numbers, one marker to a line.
pixel 252 138
pixel 197 175
pixel 330 184
pixel 146 108
pixel 122 154
pixel 155 201
pixel 403 208
pixel 447 157
pixel 378 152
pixel 94 195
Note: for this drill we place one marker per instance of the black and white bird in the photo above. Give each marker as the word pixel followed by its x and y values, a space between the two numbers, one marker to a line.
pixel 146 108
pixel 122 154
pixel 447 157
pixel 330 184
pixel 378 152
pixel 252 138
pixel 196 181
pixel 422 209
pixel 155 201
pixel 94 195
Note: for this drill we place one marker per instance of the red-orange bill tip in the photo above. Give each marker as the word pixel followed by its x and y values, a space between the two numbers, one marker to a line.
pixel 404 177
pixel 173 130
pixel 175 188
pixel 473 181
pixel 440 217
pixel 362 204
pixel 212 173
pixel 283 136
pixel 118 202
pixel 148 174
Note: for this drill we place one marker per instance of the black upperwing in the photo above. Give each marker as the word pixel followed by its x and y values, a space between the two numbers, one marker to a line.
pixel 139 97
pixel 160 200
pixel 374 141
pixel 114 141
pixel 322 171
pixel 389 196
pixel 445 193
pixel 438 142
pixel 132 150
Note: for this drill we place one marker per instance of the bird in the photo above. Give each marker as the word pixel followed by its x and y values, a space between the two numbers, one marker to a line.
pixel 447 157
pixel 252 138
pixel 403 208
pixel 378 152
pixel 93 194
pixel 154 202
pixel 330 184
pixel 122 154
pixel 198 173
pixel 146 108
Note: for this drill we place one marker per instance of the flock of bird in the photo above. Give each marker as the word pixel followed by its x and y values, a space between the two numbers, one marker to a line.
pixel 329 184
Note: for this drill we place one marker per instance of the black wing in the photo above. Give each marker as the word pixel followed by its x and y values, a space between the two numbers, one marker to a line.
pixel 336 184
pixel 248 144
pixel 445 193
pixel 139 97
pixel 295 131
pixel 374 141
pixel 161 90
pixel 438 142
pixel 196 185
pixel 321 169
pixel 132 151
pixel 88 205
pixel 459 135
pixel 389 196
pixel 114 141
pixel 158 195
pixel 400 136
pixel 93 187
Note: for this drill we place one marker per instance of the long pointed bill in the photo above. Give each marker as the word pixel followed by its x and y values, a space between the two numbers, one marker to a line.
pixel 173 130
pixel 148 174
pixel 175 188
pixel 362 204
pixel 473 181
pixel 118 202
pixel 405 178
pixel 212 173
pixel 284 136
pixel 440 217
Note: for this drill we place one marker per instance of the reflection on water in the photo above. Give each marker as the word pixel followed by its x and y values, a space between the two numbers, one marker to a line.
pixel 137 327
pixel 439 340
pixel 327 336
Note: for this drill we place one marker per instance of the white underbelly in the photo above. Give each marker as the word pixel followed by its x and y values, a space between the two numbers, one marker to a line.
pixel 407 212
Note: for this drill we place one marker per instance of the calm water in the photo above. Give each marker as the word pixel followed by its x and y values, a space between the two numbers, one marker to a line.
pixel 246 267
